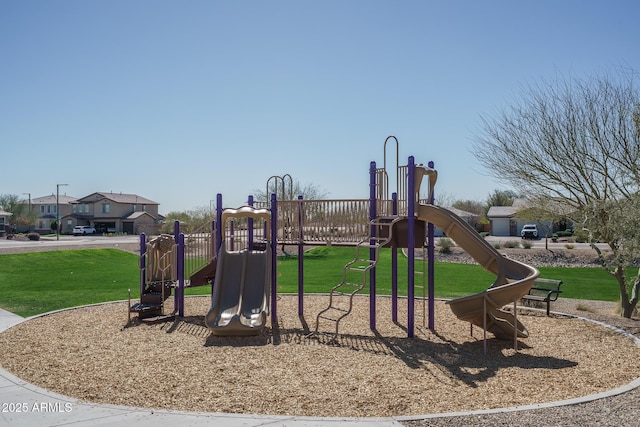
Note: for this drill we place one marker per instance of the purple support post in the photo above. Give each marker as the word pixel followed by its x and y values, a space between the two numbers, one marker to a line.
pixel 143 261
pixel 179 296
pixel 300 259
pixel 218 228
pixel 372 251
pixel 411 226
pixel 431 267
pixel 176 230
pixel 274 263
pixel 176 240
pixel 218 222
pixel 250 227
pixel 394 267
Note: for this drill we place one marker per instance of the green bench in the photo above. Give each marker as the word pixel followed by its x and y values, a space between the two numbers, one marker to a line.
pixel 544 290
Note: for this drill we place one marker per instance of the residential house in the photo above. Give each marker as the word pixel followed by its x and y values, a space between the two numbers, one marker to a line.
pixel 47 207
pixel 4 220
pixel 117 212
pixel 504 220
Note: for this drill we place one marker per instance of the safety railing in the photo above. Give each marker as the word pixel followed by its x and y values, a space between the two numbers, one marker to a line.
pixel 199 249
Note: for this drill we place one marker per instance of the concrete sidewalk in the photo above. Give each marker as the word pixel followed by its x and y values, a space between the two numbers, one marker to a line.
pixel 25 405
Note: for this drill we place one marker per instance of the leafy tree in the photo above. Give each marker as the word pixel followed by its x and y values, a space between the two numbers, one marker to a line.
pixel 20 210
pixel 501 198
pixel 619 225
pixel 473 206
pixel 576 141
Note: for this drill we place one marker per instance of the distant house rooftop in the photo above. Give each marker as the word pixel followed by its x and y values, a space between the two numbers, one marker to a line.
pixel 501 212
pixel 117 198
pixel 51 200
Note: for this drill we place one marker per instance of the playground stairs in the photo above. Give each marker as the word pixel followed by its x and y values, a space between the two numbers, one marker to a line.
pixel 354 274
pixel 151 306
pixel 204 276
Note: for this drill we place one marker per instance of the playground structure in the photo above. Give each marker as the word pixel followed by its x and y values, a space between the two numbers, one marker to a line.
pixel 397 220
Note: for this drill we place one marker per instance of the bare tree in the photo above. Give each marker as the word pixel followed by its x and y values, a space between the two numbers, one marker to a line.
pixel 195 220
pixel 441 198
pixel 287 190
pixel 576 141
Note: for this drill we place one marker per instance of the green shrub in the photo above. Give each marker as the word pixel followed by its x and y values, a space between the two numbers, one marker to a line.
pixel 569 246
pixel 497 245
pixel 511 244
pixel 33 236
pixel 526 244
pixel 445 245
pixel 484 234
pixel 582 236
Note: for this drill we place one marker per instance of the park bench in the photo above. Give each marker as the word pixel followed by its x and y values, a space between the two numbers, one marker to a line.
pixel 544 290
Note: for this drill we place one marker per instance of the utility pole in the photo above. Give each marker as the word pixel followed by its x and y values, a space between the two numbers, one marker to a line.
pixel 29 194
pixel 58 210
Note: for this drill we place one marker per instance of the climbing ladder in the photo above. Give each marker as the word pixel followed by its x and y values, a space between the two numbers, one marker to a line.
pixel 420 286
pixel 354 273
pixel 160 277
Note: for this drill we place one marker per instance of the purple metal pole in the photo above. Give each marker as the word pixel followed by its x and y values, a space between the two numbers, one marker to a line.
pixel 372 251
pixel 176 230
pixel 176 240
pixel 394 268
pixel 411 226
pixel 274 263
pixel 250 227
pixel 218 228
pixel 180 291
pixel 218 222
pixel 143 261
pixel 300 259
pixel 431 267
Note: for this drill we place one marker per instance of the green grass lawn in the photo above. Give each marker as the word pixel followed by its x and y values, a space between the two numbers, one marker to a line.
pixel 38 282
pixel 323 270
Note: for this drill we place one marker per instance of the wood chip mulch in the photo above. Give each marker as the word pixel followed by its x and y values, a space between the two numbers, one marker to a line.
pixel 92 354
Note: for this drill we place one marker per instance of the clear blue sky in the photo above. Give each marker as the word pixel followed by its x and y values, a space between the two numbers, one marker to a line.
pixel 179 100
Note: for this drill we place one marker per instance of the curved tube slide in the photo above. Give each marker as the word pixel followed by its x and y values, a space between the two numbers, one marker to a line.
pixel 513 278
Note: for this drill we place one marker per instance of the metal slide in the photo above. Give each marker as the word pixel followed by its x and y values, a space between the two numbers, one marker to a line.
pixel 513 278
pixel 241 292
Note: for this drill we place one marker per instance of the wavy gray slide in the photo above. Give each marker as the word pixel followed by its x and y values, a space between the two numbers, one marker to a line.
pixel 241 292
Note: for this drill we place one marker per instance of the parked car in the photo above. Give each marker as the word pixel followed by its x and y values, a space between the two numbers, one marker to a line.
pixel 529 231
pixel 82 230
